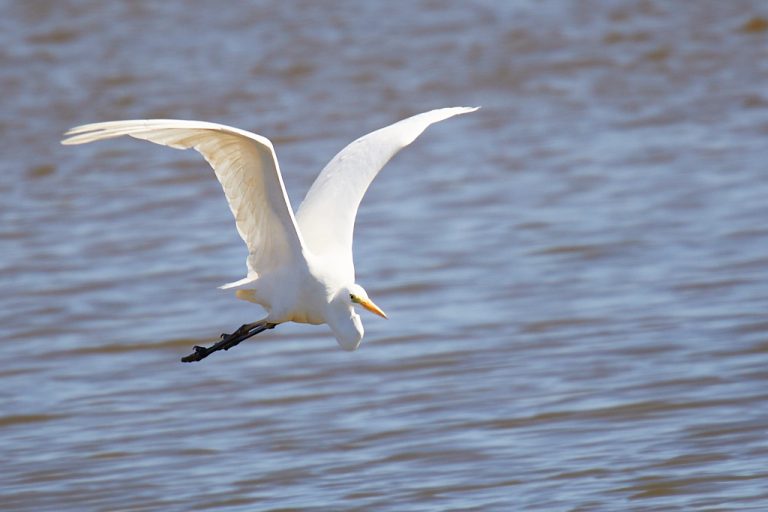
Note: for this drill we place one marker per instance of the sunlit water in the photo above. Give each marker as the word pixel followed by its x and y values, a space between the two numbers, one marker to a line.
pixel 576 275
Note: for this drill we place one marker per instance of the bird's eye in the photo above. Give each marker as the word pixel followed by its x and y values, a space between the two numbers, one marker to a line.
pixel 353 297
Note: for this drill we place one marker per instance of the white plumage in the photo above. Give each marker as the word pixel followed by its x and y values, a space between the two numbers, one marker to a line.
pixel 300 268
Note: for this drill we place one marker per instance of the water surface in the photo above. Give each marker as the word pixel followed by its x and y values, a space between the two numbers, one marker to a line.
pixel 575 275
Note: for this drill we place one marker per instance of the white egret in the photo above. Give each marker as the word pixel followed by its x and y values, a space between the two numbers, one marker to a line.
pixel 300 267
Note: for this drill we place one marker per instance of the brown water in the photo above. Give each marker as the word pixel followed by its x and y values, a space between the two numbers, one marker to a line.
pixel 576 275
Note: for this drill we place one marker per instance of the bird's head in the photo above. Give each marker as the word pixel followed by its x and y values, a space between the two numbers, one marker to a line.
pixel 358 295
pixel 344 320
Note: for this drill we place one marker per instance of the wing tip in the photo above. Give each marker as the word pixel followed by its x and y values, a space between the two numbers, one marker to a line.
pixel 467 110
pixel 441 114
pixel 85 132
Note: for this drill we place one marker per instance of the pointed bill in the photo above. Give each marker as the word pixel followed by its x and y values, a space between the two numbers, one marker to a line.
pixel 373 308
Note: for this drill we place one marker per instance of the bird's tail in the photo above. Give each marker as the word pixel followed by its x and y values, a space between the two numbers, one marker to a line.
pixel 237 284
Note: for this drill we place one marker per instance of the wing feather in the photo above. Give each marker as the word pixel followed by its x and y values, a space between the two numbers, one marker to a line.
pixel 326 217
pixel 245 165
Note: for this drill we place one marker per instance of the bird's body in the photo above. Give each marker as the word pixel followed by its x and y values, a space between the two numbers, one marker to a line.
pixel 300 266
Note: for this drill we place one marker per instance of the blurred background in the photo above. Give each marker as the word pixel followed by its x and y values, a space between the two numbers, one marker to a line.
pixel 576 275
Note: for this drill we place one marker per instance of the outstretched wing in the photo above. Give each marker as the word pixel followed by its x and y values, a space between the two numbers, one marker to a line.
pixel 245 165
pixel 326 217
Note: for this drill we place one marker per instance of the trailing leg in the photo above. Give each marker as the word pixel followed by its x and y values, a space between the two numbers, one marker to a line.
pixel 229 340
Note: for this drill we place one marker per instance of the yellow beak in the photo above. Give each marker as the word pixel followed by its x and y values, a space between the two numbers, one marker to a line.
pixel 373 308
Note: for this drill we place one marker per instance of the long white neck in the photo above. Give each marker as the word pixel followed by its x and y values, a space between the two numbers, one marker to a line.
pixel 345 323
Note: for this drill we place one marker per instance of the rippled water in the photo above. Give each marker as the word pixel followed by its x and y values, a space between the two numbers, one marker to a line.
pixel 576 275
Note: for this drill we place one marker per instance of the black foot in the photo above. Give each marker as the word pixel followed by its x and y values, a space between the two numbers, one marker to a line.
pixel 228 341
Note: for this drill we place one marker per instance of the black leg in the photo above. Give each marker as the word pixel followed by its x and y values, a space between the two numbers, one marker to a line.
pixel 228 340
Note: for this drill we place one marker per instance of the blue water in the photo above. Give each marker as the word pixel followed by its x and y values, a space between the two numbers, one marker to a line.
pixel 575 275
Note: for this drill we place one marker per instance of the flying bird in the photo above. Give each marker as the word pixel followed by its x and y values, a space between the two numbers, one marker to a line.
pixel 300 266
